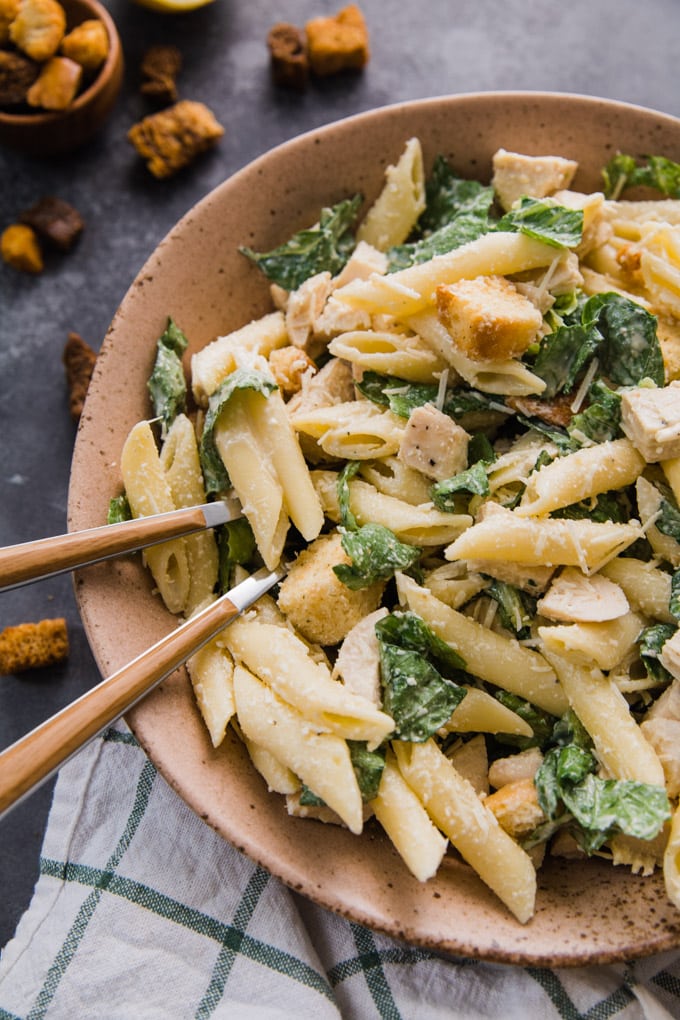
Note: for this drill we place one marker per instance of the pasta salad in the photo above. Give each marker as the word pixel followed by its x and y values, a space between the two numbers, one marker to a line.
pixel 460 422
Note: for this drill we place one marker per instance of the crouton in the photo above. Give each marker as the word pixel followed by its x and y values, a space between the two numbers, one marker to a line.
pixel 20 248
pixel 17 74
pixel 57 85
pixel 515 175
pixel 651 420
pixel 79 360
pixel 433 444
pixel 171 139
pixel 33 645
pixel 488 319
pixel 159 68
pixel 288 366
pixel 288 54
pixel 338 43
pixel 316 602
pixel 55 221
pixel 8 12
pixel 38 28
pixel 87 44
pixel 516 807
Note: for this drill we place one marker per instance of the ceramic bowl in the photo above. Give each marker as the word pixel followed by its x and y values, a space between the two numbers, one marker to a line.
pixel 45 133
pixel 586 913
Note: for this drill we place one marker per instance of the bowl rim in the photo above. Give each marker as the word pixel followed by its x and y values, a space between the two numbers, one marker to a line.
pixel 44 118
pixel 291 875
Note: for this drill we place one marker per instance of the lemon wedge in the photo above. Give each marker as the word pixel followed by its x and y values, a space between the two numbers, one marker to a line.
pixel 173 6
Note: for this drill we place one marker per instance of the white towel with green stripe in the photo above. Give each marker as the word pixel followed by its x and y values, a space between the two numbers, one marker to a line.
pixel 141 912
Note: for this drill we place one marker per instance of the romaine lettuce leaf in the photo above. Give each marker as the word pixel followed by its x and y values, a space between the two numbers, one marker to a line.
pixel 656 172
pixel 326 246
pixel 167 384
pixel 376 553
pixel 545 220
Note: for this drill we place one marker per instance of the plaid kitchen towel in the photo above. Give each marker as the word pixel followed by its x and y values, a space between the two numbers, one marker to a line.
pixel 141 912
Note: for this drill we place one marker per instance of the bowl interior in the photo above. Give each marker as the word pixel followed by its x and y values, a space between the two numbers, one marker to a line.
pixel 587 914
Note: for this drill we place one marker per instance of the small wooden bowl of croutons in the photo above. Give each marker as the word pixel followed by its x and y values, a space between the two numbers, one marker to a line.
pixel 61 69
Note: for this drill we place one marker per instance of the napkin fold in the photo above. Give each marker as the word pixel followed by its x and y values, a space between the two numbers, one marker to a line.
pixel 142 911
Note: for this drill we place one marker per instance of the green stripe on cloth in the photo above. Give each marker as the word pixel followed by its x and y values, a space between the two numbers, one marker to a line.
pixel 120 737
pixel 4 1015
pixel 194 920
pixel 87 909
pixel 372 969
pixel 554 989
pixel 668 982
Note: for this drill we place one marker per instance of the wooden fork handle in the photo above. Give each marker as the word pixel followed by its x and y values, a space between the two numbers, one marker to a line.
pixel 33 758
pixel 48 556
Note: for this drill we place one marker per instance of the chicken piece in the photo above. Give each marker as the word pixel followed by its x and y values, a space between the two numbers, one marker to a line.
pixel 17 74
pixel 488 319
pixel 358 660
pixel 79 360
pixel 576 598
pixel 8 12
pixel 670 655
pixel 521 766
pixel 172 139
pixel 38 28
pixel 55 221
pixel 433 444
pixel 20 248
pixel 332 384
pixel 338 43
pixel 159 69
pixel 664 736
pixel 667 705
pixel 338 317
pixel 57 85
pixel 516 807
pixel 516 175
pixel 288 55
pixel 33 645
pixel 651 420
pixel 87 44
pixel 288 366
pixel 304 307
pixel 362 263
pixel 316 602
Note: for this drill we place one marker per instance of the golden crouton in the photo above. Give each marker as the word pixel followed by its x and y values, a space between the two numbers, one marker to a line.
pixel 171 139
pixel 87 44
pixel 516 175
pixel 79 360
pixel 55 221
pixel 8 12
pixel 159 68
pixel 33 645
pixel 288 365
pixel 338 43
pixel 516 807
pixel 38 28
pixel 316 602
pixel 20 248
pixel 288 55
pixel 57 84
pixel 487 317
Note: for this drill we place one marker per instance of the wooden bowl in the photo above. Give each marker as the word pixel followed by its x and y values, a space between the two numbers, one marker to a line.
pixel 45 133
pixel 587 912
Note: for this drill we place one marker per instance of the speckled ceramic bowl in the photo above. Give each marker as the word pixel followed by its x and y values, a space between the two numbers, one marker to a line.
pixel 48 133
pixel 586 913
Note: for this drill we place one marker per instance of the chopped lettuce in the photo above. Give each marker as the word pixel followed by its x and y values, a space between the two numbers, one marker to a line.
pixel 473 480
pixel 236 546
pixel 674 601
pixel 325 247
pixel 611 327
pixel 541 722
pixel 656 172
pixel 516 609
pixel 545 220
pixel 601 418
pixel 415 693
pixel 375 551
pixel 651 641
pixel 119 510
pixel 167 384
pixel 368 767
